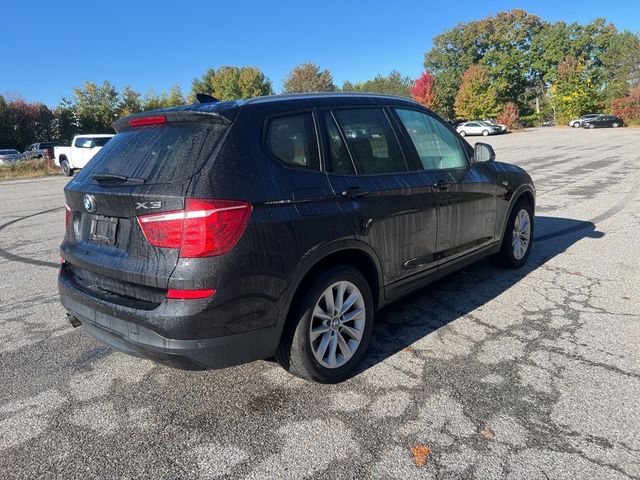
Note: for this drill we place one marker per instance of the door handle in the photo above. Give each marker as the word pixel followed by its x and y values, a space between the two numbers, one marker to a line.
pixel 355 192
pixel 442 185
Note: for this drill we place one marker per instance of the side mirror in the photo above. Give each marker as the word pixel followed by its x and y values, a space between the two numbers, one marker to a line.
pixel 483 152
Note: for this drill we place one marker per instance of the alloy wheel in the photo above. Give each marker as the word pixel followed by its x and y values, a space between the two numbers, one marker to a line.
pixel 337 324
pixel 521 234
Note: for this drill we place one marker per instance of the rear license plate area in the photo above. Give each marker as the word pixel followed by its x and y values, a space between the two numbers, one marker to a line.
pixel 103 230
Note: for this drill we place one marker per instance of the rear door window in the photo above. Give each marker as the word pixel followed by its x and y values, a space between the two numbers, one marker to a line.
pixel 371 141
pixel 292 139
pixel 157 154
pixel 437 147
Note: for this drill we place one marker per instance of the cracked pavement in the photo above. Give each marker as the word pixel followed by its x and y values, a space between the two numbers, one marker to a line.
pixel 525 374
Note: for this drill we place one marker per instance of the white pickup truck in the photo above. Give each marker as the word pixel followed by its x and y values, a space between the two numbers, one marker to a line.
pixel 82 149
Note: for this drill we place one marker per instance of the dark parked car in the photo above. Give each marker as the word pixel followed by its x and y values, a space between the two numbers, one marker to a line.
pixel 40 150
pixel 215 234
pixel 603 121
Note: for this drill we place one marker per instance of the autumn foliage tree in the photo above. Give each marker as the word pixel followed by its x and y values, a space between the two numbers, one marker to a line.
pixel 308 78
pixel 476 97
pixel 393 84
pixel 232 83
pixel 574 92
pixel 628 108
pixel 423 90
pixel 509 116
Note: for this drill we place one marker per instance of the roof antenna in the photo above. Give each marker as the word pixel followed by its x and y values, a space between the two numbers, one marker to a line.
pixel 204 98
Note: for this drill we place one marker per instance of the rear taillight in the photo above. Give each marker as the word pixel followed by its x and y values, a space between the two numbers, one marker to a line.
pixel 205 228
pixel 67 216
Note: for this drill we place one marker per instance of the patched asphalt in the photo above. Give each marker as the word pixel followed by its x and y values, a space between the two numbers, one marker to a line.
pixel 500 374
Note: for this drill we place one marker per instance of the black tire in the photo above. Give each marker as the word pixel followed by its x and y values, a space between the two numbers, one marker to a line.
pixel 463 133
pixel 485 133
pixel 615 125
pixel 506 257
pixel 66 170
pixel 295 350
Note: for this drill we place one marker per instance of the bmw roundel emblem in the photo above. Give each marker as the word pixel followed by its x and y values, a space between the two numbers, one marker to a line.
pixel 89 203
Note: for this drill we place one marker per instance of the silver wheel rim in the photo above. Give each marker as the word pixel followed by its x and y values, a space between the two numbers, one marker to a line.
pixel 337 324
pixel 521 234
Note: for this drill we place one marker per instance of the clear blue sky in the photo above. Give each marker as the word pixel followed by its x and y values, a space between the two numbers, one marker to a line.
pixel 48 47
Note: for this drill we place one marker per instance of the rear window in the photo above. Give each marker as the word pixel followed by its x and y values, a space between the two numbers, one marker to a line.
pixel 157 154
pixel 100 141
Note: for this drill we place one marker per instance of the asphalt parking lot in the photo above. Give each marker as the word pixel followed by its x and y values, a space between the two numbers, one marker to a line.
pixel 527 374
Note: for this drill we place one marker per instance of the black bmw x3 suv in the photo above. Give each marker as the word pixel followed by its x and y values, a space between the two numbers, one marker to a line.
pixel 219 233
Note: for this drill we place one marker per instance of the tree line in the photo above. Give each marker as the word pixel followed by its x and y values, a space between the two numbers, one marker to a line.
pixel 514 66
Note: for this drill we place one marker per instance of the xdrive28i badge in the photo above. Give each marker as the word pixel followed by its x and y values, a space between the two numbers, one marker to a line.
pixel 89 203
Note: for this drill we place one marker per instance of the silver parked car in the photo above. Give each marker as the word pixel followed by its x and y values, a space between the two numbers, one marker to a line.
pixel 578 122
pixel 477 128
pixel 9 155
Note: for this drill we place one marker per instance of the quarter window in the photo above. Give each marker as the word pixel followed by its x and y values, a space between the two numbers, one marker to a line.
pixel 371 141
pixel 437 146
pixel 293 140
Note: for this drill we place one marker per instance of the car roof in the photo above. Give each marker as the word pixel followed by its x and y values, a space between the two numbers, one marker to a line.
pixel 293 101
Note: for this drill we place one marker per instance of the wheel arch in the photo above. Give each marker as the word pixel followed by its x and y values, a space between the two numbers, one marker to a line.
pixel 353 253
pixel 525 192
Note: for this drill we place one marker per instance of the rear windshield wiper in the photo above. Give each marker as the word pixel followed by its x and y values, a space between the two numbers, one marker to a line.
pixel 114 177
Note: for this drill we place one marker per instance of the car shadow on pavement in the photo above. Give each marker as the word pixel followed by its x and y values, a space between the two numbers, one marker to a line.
pixel 421 313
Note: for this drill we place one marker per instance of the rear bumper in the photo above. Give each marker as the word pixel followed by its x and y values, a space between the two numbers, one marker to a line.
pixel 133 338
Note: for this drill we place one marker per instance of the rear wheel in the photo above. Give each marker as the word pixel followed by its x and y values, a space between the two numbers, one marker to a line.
pixel 330 327
pixel 67 171
pixel 575 124
pixel 591 125
pixel 485 133
pixel 518 237
pixel 615 125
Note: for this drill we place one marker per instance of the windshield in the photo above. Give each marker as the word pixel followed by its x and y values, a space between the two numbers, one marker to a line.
pixel 8 152
pixel 156 154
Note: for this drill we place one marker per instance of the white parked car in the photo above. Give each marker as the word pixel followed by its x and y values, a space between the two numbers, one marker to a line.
pixel 578 122
pixel 82 149
pixel 477 128
pixel 9 155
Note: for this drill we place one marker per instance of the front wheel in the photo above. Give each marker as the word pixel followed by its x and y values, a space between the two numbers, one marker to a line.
pixel 575 124
pixel 485 133
pixel 518 237
pixel 615 125
pixel 330 327
pixel 463 133
pixel 591 125
pixel 67 171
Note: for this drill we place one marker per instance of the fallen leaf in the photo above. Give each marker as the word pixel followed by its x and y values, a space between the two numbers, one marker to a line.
pixel 486 432
pixel 625 297
pixel 409 349
pixel 420 454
